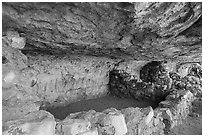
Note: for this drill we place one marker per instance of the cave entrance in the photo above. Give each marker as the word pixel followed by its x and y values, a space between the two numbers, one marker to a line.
pixel 99 104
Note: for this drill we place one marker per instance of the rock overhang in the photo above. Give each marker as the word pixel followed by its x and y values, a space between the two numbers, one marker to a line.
pixel 141 31
pixel 82 43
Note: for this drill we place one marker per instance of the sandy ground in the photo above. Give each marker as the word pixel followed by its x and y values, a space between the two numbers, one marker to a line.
pixel 99 105
pixel 192 125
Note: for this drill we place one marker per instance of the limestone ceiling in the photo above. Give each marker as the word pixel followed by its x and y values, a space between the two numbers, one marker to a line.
pixel 141 31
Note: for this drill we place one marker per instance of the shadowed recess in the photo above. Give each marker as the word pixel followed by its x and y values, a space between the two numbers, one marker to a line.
pixel 99 104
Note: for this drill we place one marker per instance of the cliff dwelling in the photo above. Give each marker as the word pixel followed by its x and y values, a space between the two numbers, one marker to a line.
pixel 102 68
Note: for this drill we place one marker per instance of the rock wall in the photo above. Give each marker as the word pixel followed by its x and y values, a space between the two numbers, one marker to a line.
pixel 49 79
pixel 16 103
pixel 66 79
pixel 138 121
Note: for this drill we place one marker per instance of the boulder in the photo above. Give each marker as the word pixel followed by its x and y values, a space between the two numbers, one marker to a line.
pixel 110 122
pixel 149 114
pixel 73 126
pixel 92 131
pixel 34 123
pixel 117 121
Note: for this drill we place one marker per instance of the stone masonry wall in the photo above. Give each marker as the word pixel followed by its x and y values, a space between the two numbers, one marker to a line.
pixel 154 80
pixel 141 80
pixel 128 121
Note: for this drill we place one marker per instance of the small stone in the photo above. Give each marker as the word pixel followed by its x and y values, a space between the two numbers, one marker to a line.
pixel 92 131
pixel 46 127
pixel 194 115
pixel 117 121
pixel 74 115
pixel 149 113
pixel 9 77
pixel 156 121
pixel 171 97
pixel 186 94
pixel 18 42
pixel 10 34
pixel 183 70
pixel 165 104
pixel 106 130
pixel 133 117
pixel 166 113
pixel 111 111
pixel 74 126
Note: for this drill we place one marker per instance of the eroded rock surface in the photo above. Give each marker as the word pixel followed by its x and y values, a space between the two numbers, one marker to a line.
pixel 57 79
pixel 143 31
pixel 54 54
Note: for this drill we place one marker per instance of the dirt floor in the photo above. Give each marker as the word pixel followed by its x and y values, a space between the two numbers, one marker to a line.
pixel 192 125
pixel 99 105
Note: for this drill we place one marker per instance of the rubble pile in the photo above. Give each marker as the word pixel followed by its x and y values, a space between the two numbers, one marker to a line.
pixel 151 81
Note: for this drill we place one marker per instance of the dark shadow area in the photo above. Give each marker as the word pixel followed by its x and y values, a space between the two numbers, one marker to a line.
pixel 99 104
pixel 152 85
pixel 4 60
pixel 151 71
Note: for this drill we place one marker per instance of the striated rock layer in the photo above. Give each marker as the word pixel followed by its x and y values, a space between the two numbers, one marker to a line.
pixel 54 54
pixel 141 31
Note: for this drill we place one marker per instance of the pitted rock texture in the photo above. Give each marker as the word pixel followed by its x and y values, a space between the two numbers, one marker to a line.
pixel 140 80
pixel 192 80
pixel 141 30
pixel 69 78
pixel 62 79
pixel 57 53
pixel 154 80
pixel 163 17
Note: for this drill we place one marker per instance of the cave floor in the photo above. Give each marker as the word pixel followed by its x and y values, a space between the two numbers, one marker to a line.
pixel 99 104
